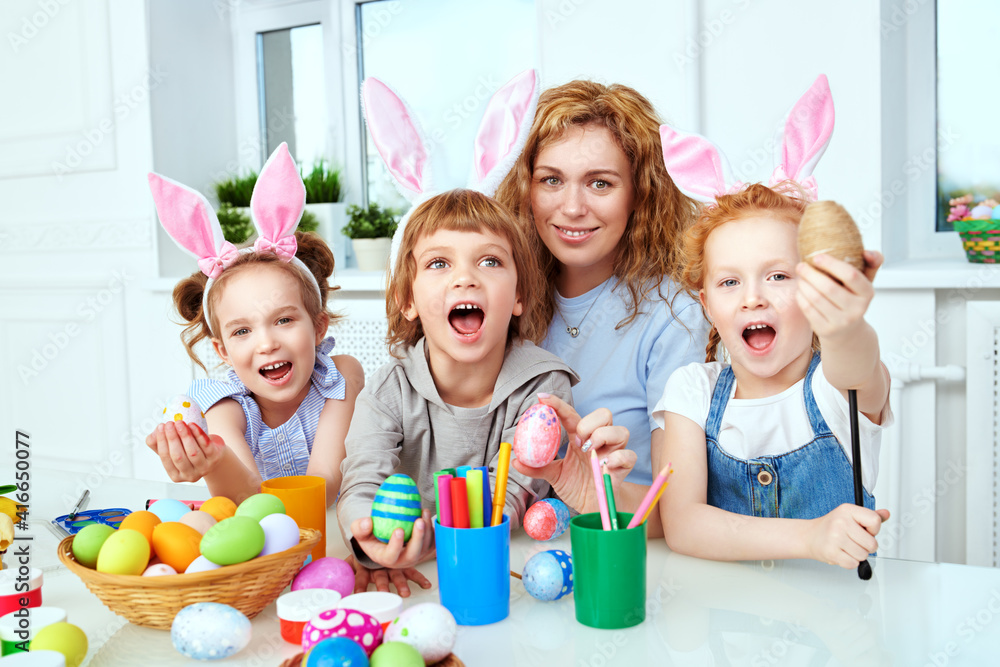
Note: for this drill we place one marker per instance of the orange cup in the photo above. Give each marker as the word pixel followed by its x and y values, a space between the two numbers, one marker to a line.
pixel 304 497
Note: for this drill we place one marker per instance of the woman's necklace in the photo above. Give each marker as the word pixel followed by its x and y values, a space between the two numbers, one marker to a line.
pixel 575 331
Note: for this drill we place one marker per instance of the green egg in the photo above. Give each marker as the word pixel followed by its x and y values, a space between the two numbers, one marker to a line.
pixel 260 505
pixel 233 540
pixel 87 543
pixel 396 654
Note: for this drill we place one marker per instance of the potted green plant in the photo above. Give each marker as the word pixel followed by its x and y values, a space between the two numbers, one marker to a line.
pixel 370 230
pixel 234 209
pixel 324 195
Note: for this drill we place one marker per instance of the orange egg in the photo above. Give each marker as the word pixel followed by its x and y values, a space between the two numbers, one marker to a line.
pixel 219 507
pixel 143 522
pixel 176 544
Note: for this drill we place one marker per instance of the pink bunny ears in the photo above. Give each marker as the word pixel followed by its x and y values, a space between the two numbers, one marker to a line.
pixel 404 149
pixel 276 206
pixel 701 171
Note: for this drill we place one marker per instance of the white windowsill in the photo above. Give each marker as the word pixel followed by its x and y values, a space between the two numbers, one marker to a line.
pixel 944 273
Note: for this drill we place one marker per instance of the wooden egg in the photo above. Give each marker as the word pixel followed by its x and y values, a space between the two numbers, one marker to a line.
pixel 396 505
pixel 827 228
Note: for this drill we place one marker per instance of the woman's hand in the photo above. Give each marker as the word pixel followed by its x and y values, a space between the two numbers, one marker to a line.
pixel 363 577
pixel 395 554
pixel 571 477
pixel 845 536
pixel 186 452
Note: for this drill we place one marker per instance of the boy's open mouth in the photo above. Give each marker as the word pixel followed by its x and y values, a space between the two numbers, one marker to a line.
pixel 277 371
pixel 759 336
pixel 466 318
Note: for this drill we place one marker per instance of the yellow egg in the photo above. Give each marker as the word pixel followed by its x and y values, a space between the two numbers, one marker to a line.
pixel 142 521
pixel 65 638
pixel 124 552
pixel 219 507
pixel 200 521
pixel 176 544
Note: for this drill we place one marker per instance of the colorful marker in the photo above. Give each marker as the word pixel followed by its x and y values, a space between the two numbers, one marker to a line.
pixel 499 498
pixel 474 488
pixel 459 503
pixel 487 496
pixel 443 488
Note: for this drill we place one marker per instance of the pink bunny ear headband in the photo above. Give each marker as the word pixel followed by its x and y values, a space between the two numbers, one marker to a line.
pixel 396 133
pixel 278 199
pixel 701 171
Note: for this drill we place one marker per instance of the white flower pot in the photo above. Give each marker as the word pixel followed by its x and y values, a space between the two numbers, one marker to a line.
pixel 332 218
pixel 372 254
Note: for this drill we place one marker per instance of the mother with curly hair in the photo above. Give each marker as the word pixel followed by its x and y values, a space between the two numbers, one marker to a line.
pixel 591 182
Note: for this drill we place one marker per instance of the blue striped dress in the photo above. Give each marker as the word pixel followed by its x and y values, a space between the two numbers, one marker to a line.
pixel 281 451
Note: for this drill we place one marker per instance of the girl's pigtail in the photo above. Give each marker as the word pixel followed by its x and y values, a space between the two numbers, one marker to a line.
pixel 712 349
pixel 188 296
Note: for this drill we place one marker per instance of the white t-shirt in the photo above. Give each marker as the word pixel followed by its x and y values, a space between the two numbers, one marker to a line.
pixel 774 425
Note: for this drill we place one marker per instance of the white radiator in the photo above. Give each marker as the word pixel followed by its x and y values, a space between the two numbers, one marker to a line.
pixel 982 393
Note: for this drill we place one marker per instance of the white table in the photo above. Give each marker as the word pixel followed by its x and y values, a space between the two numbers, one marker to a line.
pixel 698 612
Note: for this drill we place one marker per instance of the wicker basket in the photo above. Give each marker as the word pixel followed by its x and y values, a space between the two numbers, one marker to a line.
pixel 154 601
pixel 982 246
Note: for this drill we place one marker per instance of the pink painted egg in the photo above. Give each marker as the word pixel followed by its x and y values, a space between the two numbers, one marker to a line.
pixel 536 439
pixel 350 623
pixel 546 519
pixel 328 572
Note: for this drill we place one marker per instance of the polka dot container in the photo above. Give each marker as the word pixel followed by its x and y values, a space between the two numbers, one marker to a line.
pixel 356 625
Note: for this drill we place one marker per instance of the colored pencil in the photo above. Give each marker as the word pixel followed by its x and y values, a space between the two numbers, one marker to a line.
pixel 474 487
pixel 443 484
pixel 487 496
pixel 499 498
pixel 610 493
pixel 602 499
pixel 651 498
pixel 459 503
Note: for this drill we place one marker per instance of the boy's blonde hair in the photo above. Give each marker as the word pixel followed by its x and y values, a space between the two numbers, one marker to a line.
pixel 463 211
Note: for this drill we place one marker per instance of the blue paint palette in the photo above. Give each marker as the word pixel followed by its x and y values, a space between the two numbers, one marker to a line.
pixel 110 517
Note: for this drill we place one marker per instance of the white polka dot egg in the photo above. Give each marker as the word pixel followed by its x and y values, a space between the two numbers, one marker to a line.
pixel 184 408
pixel 350 623
pixel 428 627
pixel 210 631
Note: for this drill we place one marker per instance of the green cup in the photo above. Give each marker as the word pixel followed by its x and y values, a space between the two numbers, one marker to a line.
pixel 609 572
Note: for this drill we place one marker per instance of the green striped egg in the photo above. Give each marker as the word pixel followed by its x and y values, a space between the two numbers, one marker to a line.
pixel 397 505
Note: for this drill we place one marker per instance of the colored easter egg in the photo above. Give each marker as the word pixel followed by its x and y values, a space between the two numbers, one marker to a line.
pixel 329 572
pixel 537 437
pixel 219 507
pixel 65 638
pixel 169 509
pixel 159 570
pixel 176 544
pixel 88 542
pixel 201 564
pixel 124 552
pixel 383 606
pixel 210 631
pixel 35 659
pixel 200 521
pixel 186 409
pixel 233 540
pixel 260 505
pixel 143 521
pixel 336 652
pixel 428 627
pixel 981 212
pixel 396 654
pixel 396 505
pixel 996 213
pixel 548 575
pixel 280 533
pixel 350 623
pixel 546 519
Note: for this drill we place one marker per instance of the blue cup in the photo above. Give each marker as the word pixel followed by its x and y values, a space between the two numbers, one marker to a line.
pixel 473 567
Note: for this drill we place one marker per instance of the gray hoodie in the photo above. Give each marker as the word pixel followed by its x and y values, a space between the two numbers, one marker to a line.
pixel 401 425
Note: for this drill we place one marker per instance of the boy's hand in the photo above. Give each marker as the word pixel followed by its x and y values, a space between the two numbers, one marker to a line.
pixel 395 554
pixel 834 295
pixel 571 477
pixel 381 578
pixel 186 452
pixel 846 535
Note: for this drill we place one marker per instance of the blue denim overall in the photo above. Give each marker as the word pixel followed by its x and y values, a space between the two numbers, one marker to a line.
pixel 804 483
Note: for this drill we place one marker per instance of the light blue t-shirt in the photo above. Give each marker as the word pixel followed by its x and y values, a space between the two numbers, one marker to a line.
pixel 625 370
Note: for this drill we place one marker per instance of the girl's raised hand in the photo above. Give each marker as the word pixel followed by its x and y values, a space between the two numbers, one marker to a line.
pixel 845 536
pixel 571 477
pixel 395 554
pixel 833 295
pixel 186 452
